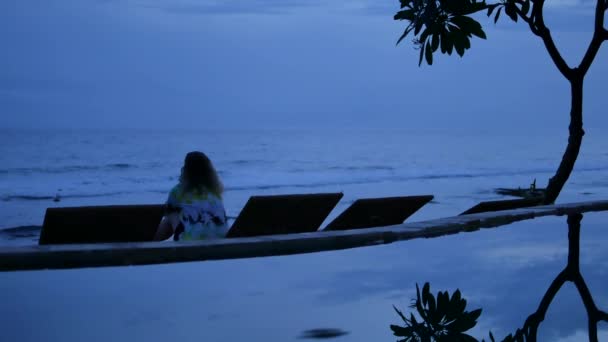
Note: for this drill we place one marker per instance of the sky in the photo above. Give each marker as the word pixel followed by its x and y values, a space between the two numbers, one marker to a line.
pixel 183 64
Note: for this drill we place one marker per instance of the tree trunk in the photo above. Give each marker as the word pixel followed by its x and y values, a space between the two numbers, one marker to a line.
pixel 556 183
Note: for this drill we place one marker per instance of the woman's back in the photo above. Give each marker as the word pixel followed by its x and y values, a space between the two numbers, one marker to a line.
pixel 197 214
pixel 195 210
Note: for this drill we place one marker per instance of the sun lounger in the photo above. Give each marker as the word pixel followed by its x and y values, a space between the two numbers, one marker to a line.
pixel 283 214
pixel 483 207
pixel 378 212
pixel 116 223
pixel 262 215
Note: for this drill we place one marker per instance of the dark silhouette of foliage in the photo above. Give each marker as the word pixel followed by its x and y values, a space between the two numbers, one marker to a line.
pixel 446 25
pixel 442 319
pixel 445 319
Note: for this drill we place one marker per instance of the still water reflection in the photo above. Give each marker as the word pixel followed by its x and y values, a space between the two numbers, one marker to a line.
pixel 445 318
pixel 506 271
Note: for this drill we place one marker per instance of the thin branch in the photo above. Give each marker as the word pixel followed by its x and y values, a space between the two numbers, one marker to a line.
pixel 527 20
pixel 599 35
pixel 586 297
pixel 545 34
pixel 553 289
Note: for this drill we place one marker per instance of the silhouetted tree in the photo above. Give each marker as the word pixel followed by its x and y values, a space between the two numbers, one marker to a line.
pixel 444 319
pixel 446 25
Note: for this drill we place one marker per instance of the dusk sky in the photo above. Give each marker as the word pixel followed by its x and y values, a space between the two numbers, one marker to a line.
pixel 277 63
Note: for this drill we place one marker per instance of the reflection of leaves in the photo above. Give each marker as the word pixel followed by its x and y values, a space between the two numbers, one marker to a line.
pixel 442 318
pixel 446 319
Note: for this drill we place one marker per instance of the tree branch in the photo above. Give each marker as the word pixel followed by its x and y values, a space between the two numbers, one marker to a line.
pixel 599 35
pixel 545 34
pixel 527 20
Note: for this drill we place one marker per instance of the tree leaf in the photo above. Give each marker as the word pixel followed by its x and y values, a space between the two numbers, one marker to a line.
pixel 419 64
pixel 401 331
pixel 429 60
pixel 432 304
pixel 467 338
pixel 465 23
pixel 424 35
pixel 467 42
pixel 443 303
pixel 426 289
pixel 455 297
pixel 444 41
pixel 491 8
pixel 510 10
pixel 405 33
pixel 525 7
pixel 400 314
pixel 475 314
pixel 405 15
pixel 435 41
pixel 450 44
pixel 465 7
pixel 497 15
pixel 417 27
pixel 460 41
pixel 462 324
pixel 479 33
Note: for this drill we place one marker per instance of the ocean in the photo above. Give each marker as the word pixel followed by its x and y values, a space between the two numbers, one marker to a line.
pixel 139 167
pixel 504 270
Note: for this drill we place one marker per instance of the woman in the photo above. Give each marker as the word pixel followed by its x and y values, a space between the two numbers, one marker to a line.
pixel 194 208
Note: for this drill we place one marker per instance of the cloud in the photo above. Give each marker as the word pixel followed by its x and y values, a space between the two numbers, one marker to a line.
pixel 215 7
pixel 570 3
pixel 582 335
pixel 526 255
pixel 200 7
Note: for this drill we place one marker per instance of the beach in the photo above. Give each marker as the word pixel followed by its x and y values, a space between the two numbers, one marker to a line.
pixel 505 270
pixel 112 167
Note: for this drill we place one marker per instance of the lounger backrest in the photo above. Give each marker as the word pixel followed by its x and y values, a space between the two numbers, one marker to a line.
pixel 120 223
pixel 283 214
pixel 488 206
pixel 378 212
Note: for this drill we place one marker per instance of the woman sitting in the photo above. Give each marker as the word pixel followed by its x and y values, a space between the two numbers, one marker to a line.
pixel 194 209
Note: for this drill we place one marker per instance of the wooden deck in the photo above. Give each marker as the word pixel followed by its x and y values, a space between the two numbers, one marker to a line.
pixel 145 253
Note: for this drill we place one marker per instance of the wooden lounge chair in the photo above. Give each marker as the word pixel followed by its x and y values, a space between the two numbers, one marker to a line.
pixel 283 214
pixel 262 215
pixel 378 212
pixel 115 223
pixel 488 206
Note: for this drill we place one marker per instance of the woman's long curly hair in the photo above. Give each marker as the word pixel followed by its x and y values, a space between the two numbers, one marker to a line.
pixel 198 171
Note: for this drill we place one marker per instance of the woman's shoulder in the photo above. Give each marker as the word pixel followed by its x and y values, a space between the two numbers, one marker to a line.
pixel 193 195
pixel 176 191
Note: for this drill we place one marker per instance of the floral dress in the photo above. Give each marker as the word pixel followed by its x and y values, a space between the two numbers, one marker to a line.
pixel 196 214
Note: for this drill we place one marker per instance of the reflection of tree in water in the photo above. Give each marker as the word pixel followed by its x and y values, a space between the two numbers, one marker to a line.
pixel 446 319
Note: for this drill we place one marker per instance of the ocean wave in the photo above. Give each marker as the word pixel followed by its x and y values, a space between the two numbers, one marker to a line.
pixel 363 168
pixel 20 232
pixel 314 180
pixel 26 198
pixel 242 162
pixel 58 197
pixel 66 169
pixel 401 178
